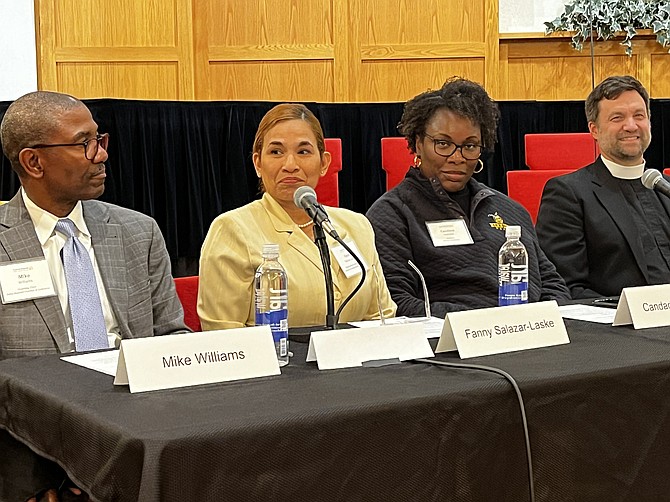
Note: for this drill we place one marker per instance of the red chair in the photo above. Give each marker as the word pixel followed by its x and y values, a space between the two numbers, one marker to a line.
pixel 666 171
pixel 187 291
pixel 526 187
pixel 560 150
pixel 328 190
pixel 396 160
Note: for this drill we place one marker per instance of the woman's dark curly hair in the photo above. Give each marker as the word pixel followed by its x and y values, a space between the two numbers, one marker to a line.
pixel 462 97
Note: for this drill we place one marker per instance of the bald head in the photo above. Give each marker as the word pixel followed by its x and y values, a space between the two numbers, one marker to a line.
pixel 32 119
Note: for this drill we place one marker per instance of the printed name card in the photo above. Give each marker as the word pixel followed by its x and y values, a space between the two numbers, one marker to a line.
pixel 503 329
pixel 164 362
pixel 346 348
pixel 25 280
pixel 644 307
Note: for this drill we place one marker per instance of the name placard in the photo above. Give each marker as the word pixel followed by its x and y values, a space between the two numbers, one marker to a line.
pixel 503 329
pixel 23 280
pixel 165 362
pixel 644 307
pixel 346 348
pixel 348 263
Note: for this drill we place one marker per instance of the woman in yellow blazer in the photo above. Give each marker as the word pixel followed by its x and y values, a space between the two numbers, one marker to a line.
pixel 289 152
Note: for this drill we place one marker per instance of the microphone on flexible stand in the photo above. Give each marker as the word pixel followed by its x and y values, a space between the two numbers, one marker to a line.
pixel 654 180
pixel 305 198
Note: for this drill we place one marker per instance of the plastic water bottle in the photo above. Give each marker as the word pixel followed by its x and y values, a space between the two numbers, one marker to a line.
pixel 512 269
pixel 271 299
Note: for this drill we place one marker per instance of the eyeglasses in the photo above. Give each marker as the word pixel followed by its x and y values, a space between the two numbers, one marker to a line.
pixel 446 148
pixel 91 146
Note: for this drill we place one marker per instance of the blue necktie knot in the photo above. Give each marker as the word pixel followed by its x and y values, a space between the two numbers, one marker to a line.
pixel 66 226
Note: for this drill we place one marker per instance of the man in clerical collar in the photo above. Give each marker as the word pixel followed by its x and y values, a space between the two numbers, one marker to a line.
pixel 599 225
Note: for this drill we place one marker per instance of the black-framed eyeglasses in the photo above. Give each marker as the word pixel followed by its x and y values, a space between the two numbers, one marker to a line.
pixel 91 146
pixel 446 148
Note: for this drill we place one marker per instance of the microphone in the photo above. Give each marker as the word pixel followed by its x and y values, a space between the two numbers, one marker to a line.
pixel 426 300
pixel 654 180
pixel 305 198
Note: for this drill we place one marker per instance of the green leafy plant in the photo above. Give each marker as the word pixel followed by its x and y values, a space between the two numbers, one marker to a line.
pixel 610 18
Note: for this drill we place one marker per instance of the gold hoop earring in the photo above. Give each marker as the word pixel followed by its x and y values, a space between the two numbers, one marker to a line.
pixel 479 168
pixel 417 161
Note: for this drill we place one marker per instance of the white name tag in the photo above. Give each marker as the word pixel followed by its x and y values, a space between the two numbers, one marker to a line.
pixel 449 233
pixel 348 264
pixel 25 280
pixel 644 307
pixel 346 348
pixel 503 329
pixel 164 362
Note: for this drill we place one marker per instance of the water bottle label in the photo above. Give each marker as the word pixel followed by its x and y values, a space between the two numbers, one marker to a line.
pixel 510 272
pixel 278 322
pixel 512 284
pixel 513 293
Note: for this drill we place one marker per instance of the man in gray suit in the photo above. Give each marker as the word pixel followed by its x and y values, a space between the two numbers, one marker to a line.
pixel 54 146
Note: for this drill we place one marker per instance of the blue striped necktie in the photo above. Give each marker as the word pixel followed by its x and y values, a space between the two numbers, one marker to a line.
pixel 88 321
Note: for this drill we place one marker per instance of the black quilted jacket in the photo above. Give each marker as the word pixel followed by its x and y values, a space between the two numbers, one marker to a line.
pixel 458 277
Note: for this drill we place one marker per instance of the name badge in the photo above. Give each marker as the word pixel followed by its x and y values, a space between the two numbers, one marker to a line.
pixel 347 263
pixel 644 307
pixel 25 280
pixel 449 233
pixel 503 329
pixel 168 361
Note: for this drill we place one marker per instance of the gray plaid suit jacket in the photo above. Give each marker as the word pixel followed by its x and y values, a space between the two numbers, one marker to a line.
pixel 134 266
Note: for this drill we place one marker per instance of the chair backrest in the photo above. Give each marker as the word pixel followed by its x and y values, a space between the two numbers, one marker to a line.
pixel 328 190
pixel 560 150
pixel 187 291
pixel 396 160
pixel 666 171
pixel 526 187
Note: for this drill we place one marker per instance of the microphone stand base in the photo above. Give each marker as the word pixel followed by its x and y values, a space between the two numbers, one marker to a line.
pixel 302 334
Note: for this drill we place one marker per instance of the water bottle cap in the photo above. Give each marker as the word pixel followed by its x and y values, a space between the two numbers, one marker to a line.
pixel 270 250
pixel 513 231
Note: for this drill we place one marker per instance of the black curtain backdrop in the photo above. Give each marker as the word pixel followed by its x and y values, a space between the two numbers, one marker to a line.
pixel 184 163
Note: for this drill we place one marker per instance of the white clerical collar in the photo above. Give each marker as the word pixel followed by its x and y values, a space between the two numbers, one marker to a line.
pixel 623 172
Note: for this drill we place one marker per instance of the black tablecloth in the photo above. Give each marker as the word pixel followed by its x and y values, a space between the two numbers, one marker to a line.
pixel 598 413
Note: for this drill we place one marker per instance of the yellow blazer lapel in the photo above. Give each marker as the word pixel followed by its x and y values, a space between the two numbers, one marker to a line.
pixel 295 238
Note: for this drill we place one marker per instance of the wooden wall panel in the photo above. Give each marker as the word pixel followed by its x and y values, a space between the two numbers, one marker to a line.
pixel 322 50
pixel 121 23
pixel 408 47
pixel 550 69
pixel 263 23
pixel 402 80
pixel 125 49
pixel 274 80
pixel 659 82
pixel 421 22
pixel 561 78
pixel 122 80
pixel 314 50
pixel 281 51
